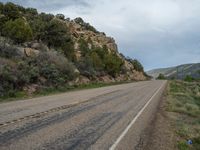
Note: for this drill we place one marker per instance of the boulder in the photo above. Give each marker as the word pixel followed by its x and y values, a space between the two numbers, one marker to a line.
pixel 20 51
pixel 82 80
pixel 76 46
pixel 78 55
pixel 30 89
pixel 106 79
pixel 137 76
pixel 76 71
pixel 39 46
pixel 29 52
pixel 35 45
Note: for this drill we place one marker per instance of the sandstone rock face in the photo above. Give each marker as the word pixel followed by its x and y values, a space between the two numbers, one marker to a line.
pixel 29 52
pixel 138 76
pixel 106 79
pixel 82 80
pixel 128 65
pixel 99 39
pixel 78 55
pixel 96 39
pixel 30 89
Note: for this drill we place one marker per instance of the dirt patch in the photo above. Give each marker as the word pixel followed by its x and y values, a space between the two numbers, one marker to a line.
pixel 160 132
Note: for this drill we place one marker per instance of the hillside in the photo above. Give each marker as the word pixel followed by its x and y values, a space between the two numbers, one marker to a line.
pixel 179 72
pixel 43 51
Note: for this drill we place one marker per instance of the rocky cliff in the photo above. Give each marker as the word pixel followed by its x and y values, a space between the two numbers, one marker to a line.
pixel 93 39
pixel 96 39
pixel 42 51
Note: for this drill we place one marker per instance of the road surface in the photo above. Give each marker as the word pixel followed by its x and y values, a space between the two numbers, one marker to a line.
pixel 113 117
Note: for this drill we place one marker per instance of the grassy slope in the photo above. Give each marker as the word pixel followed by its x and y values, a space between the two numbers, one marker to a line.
pixel 183 70
pixel 183 105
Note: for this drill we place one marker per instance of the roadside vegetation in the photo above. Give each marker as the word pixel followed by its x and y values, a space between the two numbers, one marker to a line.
pixel 183 105
pixel 161 77
pixel 19 95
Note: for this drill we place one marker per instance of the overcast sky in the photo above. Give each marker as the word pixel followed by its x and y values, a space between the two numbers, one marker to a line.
pixel 159 33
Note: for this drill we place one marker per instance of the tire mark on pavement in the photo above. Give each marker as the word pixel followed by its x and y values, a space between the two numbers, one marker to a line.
pixel 41 114
pixel 9 136
pixel 86 134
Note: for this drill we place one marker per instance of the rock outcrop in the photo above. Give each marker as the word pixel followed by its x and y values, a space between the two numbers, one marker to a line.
pixel 44 51
pixel 94 39
pixel 99 39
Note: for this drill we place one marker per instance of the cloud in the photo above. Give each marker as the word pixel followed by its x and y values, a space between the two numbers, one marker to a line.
pixel 49 5
pixel 158 33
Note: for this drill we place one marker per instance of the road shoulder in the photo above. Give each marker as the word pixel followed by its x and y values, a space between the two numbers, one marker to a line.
pixel 160 135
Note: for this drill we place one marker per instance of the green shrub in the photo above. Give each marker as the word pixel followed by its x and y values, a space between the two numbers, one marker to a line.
pixel 6 77
pixel 38 27
pixel 68 51
pixel 196 142
pixel 14 76
pixel 56 34
pixel 83 45
pixel 191 107
pixel 60 16
pixel 137 65
pixel 1 7
pixel 113 64
pixel 183 146
pixel 18 30
pixel 161 77
pixel 102 52
pixel 87 26
pixel 31 12
pixel 96 61
pixel 55 68
pixel 11 11
pixel 7 50
pixel 189 78
pixel 85 66
pixel 3 20
pixel 46 17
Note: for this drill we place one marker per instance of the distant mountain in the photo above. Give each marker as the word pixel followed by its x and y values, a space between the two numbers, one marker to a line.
pixel 179 72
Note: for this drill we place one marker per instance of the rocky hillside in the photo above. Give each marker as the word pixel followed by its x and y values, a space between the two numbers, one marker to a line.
pixel 179 72
pixel 39 50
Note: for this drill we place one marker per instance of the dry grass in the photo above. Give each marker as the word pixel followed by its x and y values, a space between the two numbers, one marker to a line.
pixel 183 99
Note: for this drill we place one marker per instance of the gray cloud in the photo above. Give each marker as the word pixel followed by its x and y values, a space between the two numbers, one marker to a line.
pixel 158 33
pixel 49 5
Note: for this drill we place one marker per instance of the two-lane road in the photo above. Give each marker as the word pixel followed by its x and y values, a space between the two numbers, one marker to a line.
pixel 113 117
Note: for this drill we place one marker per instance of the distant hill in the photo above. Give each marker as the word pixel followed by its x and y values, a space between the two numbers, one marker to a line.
pixel 179 72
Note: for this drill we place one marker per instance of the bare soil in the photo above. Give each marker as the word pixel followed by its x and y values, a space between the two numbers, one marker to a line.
pixel 160 132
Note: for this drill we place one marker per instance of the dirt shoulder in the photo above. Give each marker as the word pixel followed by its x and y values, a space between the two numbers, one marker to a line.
pixel 161 135
pixel 178 119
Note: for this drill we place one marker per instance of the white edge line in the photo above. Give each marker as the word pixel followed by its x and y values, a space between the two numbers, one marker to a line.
pixel 133 121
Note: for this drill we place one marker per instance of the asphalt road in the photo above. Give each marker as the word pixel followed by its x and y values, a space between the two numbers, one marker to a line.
pixel 113 117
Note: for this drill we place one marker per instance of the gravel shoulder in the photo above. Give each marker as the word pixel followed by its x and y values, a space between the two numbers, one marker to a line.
pixel 160 134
